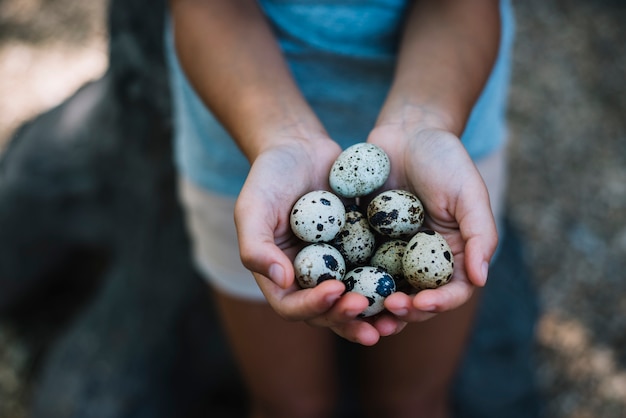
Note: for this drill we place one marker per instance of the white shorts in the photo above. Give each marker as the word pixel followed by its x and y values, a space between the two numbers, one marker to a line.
pixel 215 250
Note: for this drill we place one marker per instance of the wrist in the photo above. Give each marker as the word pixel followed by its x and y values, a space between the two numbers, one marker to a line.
pixel 285 133
pixel 411 117
pixel 409 132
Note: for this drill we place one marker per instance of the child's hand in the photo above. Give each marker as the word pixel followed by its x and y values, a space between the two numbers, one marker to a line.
pixel 434 165
pixel 278 177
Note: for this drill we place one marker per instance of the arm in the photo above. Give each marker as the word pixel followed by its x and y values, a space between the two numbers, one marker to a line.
pixel 231 58
pixel 446 55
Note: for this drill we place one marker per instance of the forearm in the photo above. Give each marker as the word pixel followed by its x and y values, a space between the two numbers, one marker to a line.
pixel 446 55
pixel 232 59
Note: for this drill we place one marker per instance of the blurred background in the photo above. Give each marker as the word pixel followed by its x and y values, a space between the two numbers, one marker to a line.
pixel 567 178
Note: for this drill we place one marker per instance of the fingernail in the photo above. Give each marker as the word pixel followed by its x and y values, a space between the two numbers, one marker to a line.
pixel 331 299
pixel 485 268
pixel 351 313
pixel 401 312
pixel 277 274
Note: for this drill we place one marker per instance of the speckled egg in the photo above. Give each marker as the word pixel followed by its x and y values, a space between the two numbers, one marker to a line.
pixel 372 282
pixel 389 256
pixel 316 263
pixel 396 213
pixel 356 239
pixel 318 216
pixel 428 261
pixel 359 170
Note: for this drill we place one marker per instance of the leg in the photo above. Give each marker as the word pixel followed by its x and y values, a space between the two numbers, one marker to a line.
pixel 413 370
pixel 410 374
pixel 289 368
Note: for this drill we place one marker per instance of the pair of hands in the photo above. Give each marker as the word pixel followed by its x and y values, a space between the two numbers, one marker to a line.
pixel 430 162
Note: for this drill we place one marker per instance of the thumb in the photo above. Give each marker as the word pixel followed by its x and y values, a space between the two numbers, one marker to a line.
pixel 257 247
pixel 478 229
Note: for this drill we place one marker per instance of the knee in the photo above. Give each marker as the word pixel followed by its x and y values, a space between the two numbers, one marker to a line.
pixel 294 406
pixel 409 406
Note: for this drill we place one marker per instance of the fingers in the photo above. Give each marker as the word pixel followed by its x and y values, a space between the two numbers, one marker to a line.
pixel 401 305
pixel 478 253
pixel 264 257
pixel 257 233
pixel 388 324
pixel 445 298
pixel 295 304
pixel 368 331
pixel 427 303
pixel 478 230
pixel 325 305
pixel 328 306
pixel 358 331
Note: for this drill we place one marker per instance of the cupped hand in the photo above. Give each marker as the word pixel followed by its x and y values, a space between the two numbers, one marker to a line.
pixel 278 177
pixel 433 164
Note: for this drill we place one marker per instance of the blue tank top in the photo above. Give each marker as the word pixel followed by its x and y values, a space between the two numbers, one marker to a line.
pixel 342 55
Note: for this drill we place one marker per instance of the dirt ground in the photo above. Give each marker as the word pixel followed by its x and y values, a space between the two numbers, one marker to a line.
pixel 568 196
pixel 567 177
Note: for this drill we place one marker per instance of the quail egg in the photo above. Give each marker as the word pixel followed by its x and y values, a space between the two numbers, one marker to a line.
pixel 316 263
pixel 317 216
pixel 372 282
pixel 389 256
pixel 356 240
pixel 359 170
pixel 428 261
pixel 395 213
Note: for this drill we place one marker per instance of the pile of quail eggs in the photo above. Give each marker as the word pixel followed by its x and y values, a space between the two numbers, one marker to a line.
pixel 376 250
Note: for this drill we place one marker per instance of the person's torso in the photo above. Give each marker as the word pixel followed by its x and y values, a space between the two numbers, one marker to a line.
pixel 341 54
